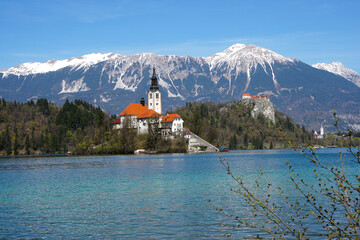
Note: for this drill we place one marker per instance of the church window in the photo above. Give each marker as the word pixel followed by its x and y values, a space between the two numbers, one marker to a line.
pixel 157 95
pixel 150 96
pixel 150 104
pixel 157 104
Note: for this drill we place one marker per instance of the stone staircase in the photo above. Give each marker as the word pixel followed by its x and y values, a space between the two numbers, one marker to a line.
pixel 197 144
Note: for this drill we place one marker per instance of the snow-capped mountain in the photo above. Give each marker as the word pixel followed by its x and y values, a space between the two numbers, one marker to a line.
pixel 241 55
pixel 240 58
pixel 340 69
pixel 53 65
pixel 112 81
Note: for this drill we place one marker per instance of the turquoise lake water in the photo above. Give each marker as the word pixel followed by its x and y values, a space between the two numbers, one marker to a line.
pixel 133 197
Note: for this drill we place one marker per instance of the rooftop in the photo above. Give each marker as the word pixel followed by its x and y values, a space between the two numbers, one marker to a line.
pixel 117 121
pixel 169 117
pixel 148 114
pixel 134 109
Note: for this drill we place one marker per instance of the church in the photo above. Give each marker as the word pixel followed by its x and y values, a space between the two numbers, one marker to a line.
pixel 141 116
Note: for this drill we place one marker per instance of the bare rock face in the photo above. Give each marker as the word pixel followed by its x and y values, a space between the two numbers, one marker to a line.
pixel 261 105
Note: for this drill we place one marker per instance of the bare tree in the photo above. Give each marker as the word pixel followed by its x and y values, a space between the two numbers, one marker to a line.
pixel 331 199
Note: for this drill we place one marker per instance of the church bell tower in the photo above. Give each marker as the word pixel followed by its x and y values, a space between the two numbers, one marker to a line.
pixel 154 95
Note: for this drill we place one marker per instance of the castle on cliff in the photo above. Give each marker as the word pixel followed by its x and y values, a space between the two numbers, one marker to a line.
pixel 260 104
pixel 248 96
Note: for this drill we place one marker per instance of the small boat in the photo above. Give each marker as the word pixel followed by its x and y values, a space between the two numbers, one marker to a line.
pixel 224 149
pixel 318 146
pixel 139 151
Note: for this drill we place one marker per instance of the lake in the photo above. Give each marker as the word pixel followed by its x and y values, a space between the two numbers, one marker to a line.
pixel 137 197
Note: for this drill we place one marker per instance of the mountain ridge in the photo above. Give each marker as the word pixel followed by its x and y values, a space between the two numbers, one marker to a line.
pixel 340 69
pixel 112 81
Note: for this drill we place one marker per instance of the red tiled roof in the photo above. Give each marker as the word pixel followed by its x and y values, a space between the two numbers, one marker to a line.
pixel 259 96
pixel 134 109
pixel 148 114
pixel 116 121
pixel 246 94
pixel 169 117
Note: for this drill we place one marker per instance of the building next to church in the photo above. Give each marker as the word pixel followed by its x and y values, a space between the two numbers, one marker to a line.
pixel 172 124
pixel 128 117
pixel 142 116
pixel 146 119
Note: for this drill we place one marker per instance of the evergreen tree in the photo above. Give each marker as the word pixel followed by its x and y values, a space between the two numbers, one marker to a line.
pixel 2 141
pixel 8 141
pixel 246 140
pixel 233 142
pixel 16 144
pixel 43 104
pixel 99 117
pixel 27 145
pixel 33 143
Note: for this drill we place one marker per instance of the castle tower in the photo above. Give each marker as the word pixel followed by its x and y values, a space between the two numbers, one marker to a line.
pixel 154 95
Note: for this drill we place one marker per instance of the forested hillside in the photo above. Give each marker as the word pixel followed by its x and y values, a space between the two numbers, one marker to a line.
pixel 44 128
pixel 231 125
pixel 78 127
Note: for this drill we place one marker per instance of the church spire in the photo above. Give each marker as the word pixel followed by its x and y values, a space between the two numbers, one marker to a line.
pixel 154 84
pixel 154 95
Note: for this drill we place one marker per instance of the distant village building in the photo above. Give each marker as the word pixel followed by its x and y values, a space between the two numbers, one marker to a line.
pixel 319 135
pixel 116 123
pixel 142 116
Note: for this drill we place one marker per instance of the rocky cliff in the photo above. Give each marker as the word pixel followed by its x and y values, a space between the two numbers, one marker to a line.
pixel 261 105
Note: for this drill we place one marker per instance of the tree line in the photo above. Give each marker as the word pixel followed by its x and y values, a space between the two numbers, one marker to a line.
pixel 78 127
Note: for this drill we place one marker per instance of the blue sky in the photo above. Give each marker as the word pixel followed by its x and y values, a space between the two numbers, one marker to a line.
pixel 311 31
